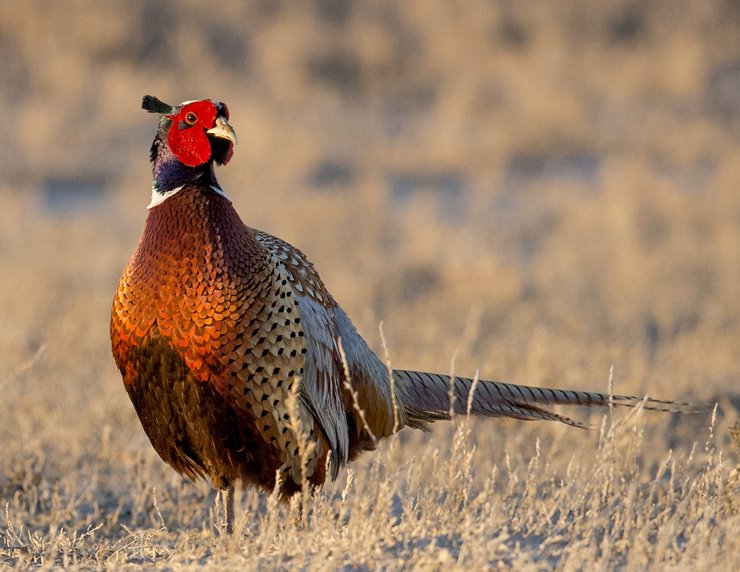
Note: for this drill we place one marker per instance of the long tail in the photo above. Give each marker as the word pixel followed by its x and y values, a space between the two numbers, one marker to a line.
pixel 426 397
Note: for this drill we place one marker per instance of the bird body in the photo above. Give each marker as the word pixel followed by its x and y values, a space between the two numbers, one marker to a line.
pixel 240 364
pixel 209 329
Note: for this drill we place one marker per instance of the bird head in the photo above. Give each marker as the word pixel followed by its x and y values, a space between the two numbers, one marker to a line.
pixel 196 132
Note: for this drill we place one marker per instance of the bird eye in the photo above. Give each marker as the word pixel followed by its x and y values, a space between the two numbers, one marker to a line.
pixel 191 118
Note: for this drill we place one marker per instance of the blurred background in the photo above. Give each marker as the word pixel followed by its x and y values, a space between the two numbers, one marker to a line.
pixel 541 190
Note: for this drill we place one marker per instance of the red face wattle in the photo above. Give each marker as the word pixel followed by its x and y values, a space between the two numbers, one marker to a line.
pixel 188 137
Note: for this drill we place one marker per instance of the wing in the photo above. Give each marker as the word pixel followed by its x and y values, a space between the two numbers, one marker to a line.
pixel 321 385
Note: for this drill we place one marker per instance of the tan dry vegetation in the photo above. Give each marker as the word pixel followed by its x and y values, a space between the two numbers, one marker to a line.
pixel 537 191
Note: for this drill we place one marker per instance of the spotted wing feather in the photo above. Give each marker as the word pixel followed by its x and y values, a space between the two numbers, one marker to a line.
pixel 320 389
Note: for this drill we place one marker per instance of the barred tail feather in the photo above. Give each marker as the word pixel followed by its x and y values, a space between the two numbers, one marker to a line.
pixel 426 397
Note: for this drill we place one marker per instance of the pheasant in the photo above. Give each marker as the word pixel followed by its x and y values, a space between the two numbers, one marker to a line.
pixel 240 364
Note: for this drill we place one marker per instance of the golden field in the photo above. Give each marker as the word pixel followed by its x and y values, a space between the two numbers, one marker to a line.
pixel 535 191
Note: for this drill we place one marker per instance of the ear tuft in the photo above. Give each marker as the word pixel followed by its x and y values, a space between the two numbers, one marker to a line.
pixel 154 105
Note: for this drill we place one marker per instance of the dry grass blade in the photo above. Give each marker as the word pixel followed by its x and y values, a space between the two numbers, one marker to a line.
pixel 305 447
pixel 355 400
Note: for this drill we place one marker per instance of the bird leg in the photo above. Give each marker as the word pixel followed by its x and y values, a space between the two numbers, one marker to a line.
pixel 225 506
pixel 228 500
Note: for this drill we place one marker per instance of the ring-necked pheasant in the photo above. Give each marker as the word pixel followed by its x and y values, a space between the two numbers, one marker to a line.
pixel 213 322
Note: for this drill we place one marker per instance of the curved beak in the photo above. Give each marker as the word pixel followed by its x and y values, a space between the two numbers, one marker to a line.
pixel 223 130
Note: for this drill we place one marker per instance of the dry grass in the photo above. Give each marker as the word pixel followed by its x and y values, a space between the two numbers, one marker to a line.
pixel 540 191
